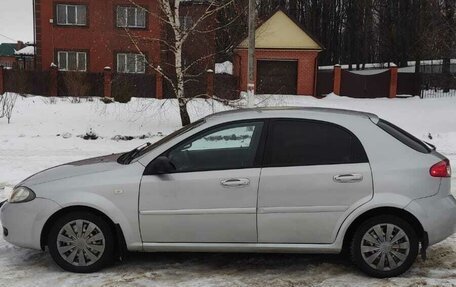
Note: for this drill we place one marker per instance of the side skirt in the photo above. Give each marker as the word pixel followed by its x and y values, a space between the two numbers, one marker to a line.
pixel 242 247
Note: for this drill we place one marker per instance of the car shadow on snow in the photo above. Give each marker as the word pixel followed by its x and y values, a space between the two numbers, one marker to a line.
pixel 237 263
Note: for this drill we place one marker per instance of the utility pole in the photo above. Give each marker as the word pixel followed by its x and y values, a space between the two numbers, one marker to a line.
pixel 251 55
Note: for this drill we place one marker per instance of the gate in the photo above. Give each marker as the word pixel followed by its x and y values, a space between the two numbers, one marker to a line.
pixel 365 86
pixel 408 84
pixel 325 82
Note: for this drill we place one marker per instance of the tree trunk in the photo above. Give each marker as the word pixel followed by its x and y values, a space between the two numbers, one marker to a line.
pixel 185 117
pixel 446 72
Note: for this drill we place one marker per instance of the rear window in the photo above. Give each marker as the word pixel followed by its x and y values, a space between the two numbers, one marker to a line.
pixel 306 143
pixel 403 136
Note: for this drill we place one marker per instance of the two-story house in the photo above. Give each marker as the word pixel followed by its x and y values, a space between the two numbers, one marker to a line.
pixel 89 35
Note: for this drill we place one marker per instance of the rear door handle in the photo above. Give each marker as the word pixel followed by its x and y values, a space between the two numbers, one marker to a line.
pixel 348 178
pixel 235 182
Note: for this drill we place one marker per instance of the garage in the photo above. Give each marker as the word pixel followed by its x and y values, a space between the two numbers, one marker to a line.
pixel 286 58
pixel 277 77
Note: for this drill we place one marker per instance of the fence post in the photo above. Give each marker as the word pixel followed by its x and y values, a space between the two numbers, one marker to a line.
pixel 210 83
pixel 53 80
pixel 158 84
pixel 107 82
pixel 337 79
pixel 393 82
pixel 2 83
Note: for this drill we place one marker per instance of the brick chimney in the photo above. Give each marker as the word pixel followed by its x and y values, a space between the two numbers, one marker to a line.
pixel 20 45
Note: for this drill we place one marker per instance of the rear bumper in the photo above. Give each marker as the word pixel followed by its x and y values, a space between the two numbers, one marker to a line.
pixel 437 216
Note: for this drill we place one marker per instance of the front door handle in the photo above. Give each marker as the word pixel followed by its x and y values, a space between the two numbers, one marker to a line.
pixel 235 182
pixel 348 178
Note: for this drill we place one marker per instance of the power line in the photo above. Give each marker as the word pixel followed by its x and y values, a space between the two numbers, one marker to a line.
pixel 9 38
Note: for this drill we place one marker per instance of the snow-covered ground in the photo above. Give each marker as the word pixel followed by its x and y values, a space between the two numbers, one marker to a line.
pixel 42 135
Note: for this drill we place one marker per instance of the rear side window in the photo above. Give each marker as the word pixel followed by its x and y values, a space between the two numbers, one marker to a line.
pixel 403 136
pixel 304 143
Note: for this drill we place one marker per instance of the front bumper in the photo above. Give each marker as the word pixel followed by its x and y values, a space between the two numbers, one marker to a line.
pixel 25 221
pixel 437 215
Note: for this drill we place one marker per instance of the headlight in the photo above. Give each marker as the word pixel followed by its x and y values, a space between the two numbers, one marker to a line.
pixel 21 194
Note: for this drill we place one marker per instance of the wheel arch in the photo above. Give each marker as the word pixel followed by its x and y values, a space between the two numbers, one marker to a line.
pixel 385 210
pixel 120 245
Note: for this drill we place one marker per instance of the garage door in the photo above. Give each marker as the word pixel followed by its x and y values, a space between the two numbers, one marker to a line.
pixel 277 77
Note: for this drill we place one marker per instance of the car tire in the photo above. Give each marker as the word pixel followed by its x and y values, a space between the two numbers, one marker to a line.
pixel 384 246
pixel 81 252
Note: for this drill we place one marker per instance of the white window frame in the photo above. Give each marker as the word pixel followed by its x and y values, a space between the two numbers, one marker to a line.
pixel 66 15
pixel 124 11
pixel 65 69
pixel 138 58
pixel 186 22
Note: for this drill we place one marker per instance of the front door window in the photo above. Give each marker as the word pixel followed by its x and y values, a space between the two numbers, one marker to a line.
pixel 232 146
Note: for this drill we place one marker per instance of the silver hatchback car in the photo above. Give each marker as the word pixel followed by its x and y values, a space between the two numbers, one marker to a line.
pixel 301 180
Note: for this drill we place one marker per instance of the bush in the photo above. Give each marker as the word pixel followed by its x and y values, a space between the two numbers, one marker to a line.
pixel 123 94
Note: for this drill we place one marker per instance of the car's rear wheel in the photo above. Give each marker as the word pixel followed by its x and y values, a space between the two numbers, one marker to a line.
pixel 81 242
pixel 384 246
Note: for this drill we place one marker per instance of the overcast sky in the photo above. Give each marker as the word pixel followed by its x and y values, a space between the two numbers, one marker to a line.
pixel 16 20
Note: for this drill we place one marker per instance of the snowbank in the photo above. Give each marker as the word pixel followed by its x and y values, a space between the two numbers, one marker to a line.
pixel 224 68
pixel 42 135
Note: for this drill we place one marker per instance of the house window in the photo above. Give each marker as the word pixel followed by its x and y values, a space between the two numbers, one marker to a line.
pixel 131 17
pixel 71 15
pixel 72 61
pixel 131 63
pixel 186 22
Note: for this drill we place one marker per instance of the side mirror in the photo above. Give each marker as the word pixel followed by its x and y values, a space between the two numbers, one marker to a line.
pixel 160 165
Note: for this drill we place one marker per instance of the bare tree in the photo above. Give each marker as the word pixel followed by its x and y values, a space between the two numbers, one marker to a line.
pixel 2 111
pixel 8 103
pixel 8 100
pixel 179 33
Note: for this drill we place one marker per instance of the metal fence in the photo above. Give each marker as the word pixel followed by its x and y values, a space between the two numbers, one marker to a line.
pixel 78 84
pixel 438 85
pixel 126 86
pixel 26 82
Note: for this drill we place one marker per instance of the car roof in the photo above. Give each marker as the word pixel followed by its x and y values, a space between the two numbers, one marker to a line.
pixel 270 112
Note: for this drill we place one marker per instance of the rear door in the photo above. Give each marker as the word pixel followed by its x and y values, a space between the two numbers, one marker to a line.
pixel 313 173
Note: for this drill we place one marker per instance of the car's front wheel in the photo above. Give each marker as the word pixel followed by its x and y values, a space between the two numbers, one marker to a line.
pixel 81 242
pixel 384 246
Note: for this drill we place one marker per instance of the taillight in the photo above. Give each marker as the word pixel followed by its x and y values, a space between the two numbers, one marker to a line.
pixel 441 169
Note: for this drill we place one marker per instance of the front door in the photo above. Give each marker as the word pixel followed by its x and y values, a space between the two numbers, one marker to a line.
pixel 212 195
pixel 314 172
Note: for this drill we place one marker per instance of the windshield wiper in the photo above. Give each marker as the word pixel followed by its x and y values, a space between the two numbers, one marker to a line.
pixel 127 158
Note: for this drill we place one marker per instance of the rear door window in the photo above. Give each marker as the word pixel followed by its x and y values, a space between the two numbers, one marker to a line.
pixel 304 143
pixel 403 136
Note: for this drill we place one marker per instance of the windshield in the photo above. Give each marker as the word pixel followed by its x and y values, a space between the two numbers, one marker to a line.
pixel 170 137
